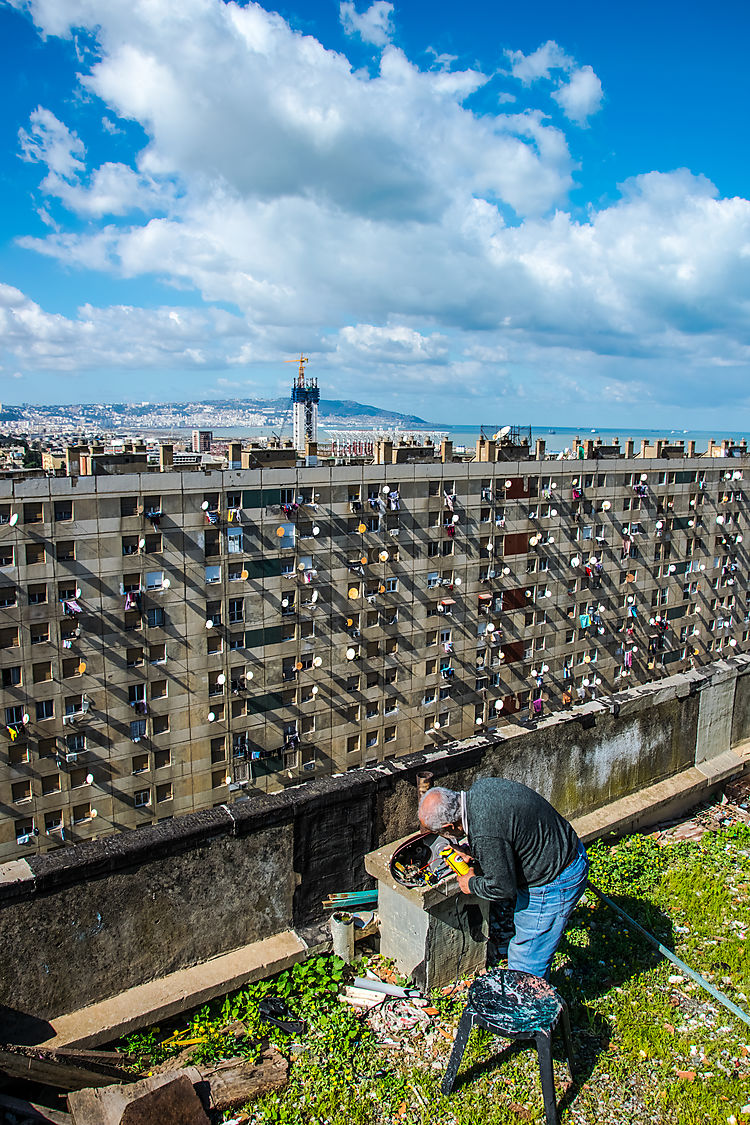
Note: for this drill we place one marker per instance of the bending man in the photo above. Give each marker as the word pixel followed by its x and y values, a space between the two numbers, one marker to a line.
pixel 524 850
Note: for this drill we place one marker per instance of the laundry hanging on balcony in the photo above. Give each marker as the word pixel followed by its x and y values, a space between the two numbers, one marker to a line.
pixel 394 501
pixel 132 601
pixel 71 607
pixel 212 517
pixel 585 620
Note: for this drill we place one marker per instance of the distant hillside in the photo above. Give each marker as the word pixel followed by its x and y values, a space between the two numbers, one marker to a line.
pixel 206 413
pixel 349 409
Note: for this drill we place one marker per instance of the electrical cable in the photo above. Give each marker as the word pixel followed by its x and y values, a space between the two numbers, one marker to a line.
pixel 722 999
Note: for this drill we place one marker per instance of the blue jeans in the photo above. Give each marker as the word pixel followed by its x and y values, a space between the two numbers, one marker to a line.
pixel 541 915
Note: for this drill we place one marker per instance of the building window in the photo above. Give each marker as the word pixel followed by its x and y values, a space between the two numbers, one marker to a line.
pixel 155 617
pixel 142 798
pixel 45 709
pixel 66 550
pixel 164 792
pixel 37 594
pixel 157 654
pixel 154 579
pixel 137 730
pixel 213 574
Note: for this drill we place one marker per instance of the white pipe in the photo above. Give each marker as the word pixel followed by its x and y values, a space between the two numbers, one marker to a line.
pixel 342 933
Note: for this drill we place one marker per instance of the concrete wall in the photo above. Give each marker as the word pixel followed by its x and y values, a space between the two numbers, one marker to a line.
pixel 81 924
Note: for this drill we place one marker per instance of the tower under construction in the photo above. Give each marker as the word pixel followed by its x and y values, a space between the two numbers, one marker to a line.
pixel 305 399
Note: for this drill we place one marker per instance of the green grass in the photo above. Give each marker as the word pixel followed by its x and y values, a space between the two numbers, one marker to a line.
pixel 633 1028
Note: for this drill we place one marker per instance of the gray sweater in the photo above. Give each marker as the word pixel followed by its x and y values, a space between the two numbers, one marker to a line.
pixel 516 837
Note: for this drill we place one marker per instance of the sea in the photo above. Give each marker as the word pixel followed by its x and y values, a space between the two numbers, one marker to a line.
pixel 558 438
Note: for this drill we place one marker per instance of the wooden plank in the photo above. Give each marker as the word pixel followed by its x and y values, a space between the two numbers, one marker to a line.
pixel 34 1111
pixel 65 1072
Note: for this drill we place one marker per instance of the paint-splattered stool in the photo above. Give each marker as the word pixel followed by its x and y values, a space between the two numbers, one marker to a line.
pixel 515 1005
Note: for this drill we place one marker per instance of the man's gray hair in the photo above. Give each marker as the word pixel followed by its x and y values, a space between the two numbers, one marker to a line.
pixel 439 807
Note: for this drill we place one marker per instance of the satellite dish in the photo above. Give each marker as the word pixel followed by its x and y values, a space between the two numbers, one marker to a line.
pixel 280 532
pixel 361 528
pixel 299 665
pixel 533 672
pixel 89 779
pixel 458 581
pixel 316 530
pixel 436 724
pixel 243 574
pixel 209 624
pixel 300 566
pixel 13 519
pixel 284 602
pixel 478 721
pixel 204 505
pixel 211 716
pixel 166 584
pixel 383 556
pixel 353 593
pixel 499 704
pixel 506 570
pixel 81 667
pixel 78 591
pixel 317 661
pixel 501 433
pixel 386 488
pixel 351 653
pixel 553 511
pixel 490 628
pixel 314 597
pixel 249 675
pixel 221 678
pixel 141 543
pixel 26 718
pixel 456 519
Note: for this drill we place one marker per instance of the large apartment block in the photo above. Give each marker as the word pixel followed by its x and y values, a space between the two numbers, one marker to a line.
pixel 173 640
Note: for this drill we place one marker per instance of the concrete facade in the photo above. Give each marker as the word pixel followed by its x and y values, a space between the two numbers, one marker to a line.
pixel 173 641
pixel 81 924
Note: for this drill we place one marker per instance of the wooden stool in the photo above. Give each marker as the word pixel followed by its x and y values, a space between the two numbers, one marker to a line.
pixel 515 1005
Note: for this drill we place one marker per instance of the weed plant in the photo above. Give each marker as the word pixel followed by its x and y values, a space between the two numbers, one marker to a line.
pixel 652 1047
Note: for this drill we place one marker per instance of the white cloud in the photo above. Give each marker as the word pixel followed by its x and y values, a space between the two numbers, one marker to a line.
pixel 368 219
pixel 119 337
pixel 539 64
pixel 581 96
pixel 48 141
pixel 374 25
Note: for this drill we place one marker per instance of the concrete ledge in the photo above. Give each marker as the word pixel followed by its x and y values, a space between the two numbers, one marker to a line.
pixel 158 1000
pixel 664 798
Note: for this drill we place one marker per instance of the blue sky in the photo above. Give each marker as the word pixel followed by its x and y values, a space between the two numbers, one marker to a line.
pixel 473 213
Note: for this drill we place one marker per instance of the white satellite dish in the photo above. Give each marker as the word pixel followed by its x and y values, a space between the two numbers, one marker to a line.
pixel 317 661
pixel 221 678
pixel 204 505
pixel 248 675
pixel 314 597
pixel 501 433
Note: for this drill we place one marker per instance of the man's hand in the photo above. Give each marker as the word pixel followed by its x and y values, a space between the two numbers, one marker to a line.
pixel 463 855
pixel 463 880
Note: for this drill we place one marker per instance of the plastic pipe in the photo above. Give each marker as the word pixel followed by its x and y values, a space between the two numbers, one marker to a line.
pixel 723 1000
pixel 342 933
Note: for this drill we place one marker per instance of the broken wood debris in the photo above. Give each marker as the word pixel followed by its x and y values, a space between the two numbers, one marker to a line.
pixel 65 1067
pixel 225 1086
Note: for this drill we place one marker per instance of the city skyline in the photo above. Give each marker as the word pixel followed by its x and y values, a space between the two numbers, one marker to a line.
pixel 506 215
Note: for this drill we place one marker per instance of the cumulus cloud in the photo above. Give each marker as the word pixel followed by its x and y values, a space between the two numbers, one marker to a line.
pixel 119 337
pixel 48 141
pixel 374 25
pixel 581 96
pixel 377 221
pixel 578 90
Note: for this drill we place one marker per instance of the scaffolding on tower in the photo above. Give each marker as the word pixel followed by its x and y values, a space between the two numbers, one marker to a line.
pixel 305 399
